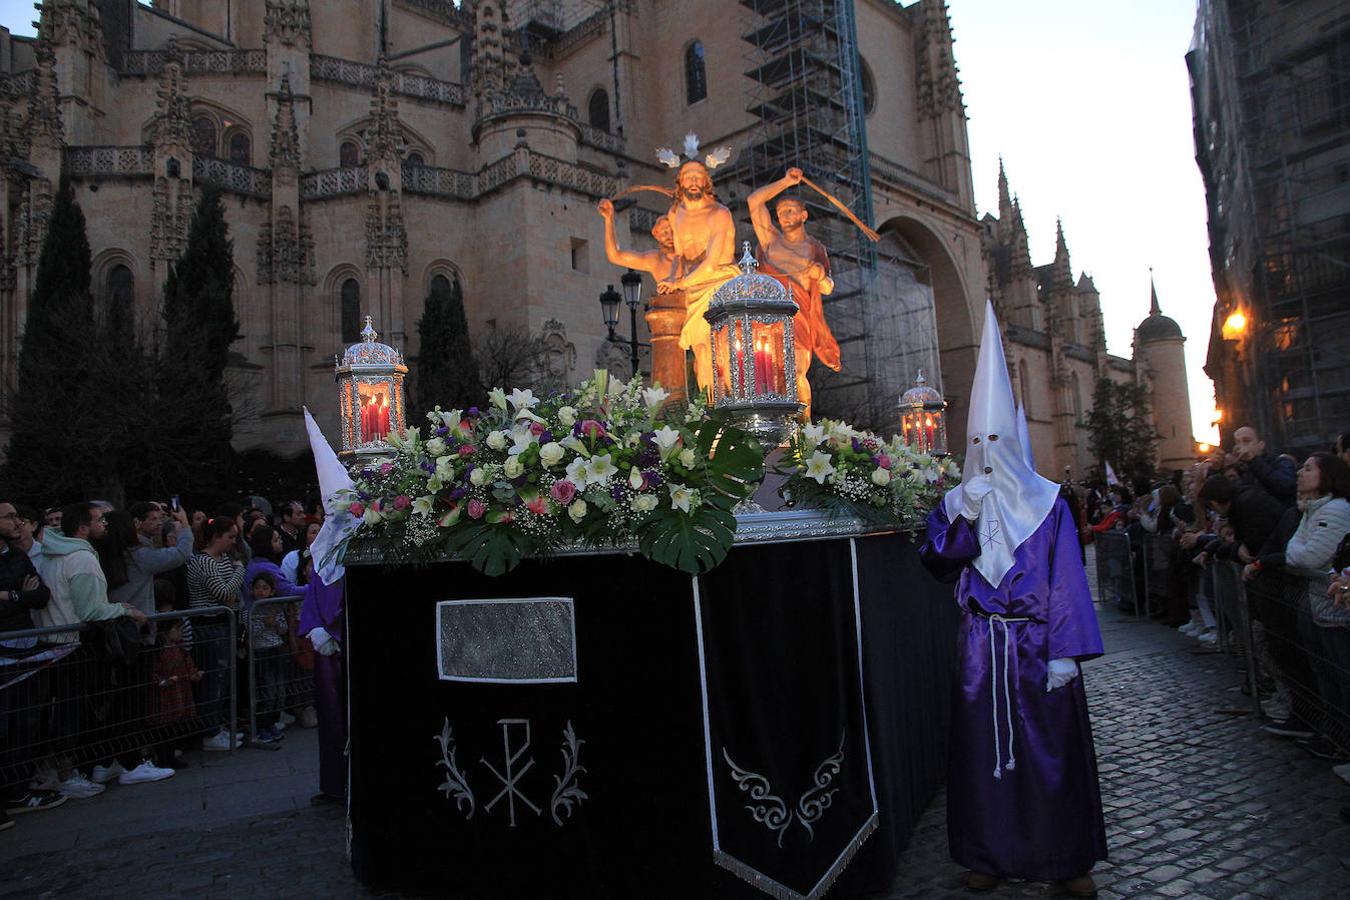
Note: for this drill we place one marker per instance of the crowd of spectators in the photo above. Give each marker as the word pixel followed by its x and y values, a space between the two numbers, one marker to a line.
pixel 117 627
pixel 1274 525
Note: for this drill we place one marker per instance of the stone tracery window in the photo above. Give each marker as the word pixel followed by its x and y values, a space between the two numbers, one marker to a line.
pixel 240 148
pixel 695 73
pixel 349 154
pixel 205 137
pixel 349 300
pixel 597 109
pixel 119 289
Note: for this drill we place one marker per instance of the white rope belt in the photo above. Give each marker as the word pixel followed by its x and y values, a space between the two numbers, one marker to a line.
pixel 999 766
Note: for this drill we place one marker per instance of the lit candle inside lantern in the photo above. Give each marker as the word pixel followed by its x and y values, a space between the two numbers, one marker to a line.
pixel 762 382
pixel 928 434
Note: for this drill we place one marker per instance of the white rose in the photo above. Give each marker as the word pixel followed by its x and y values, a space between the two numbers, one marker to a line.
pixel 880 476
pixel 577 510
pixel 644 503
pixel 567 416
pixel 436 447
pixel 551 454
pixel 688 458
pixel 497 440
pixel 478 477
pixel 372 516
pixel 513 467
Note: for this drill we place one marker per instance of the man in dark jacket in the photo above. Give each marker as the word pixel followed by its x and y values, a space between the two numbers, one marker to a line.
pixel 21 590
pixel 1276 475
pixel 1251 510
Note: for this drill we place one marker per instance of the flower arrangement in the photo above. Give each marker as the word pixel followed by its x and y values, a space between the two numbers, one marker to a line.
pixel 600 465
pixel 832 465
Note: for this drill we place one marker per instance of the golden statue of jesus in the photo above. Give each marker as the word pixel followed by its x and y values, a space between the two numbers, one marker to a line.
pixel 705 242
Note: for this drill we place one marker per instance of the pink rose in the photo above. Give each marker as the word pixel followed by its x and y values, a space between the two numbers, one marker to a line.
pixel 538 506
pixel 563 491
pixel 466 450
pixel 592 429
pixel 476 509
pixel 377 506
pixel 386 468
pixel 402 501
pixel 884 461
pixel 536 429
pixel 357 510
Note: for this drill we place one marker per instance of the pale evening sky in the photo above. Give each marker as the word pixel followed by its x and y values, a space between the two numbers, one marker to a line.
pixel 1088 103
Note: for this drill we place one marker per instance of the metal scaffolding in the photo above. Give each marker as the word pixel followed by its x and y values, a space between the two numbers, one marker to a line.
pixel 808 103
pixel 1292 67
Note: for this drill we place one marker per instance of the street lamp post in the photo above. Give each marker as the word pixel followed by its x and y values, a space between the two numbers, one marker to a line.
pixel 631 283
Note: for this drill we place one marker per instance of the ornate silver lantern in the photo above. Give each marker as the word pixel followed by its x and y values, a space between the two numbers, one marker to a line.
pixel 370 394
pixel 753 355
pixel 923 418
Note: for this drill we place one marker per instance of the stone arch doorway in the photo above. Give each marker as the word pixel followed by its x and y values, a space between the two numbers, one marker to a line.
pixel 908 243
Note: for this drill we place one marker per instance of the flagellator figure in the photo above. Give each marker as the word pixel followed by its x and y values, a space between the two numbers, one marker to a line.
pixel 1023 800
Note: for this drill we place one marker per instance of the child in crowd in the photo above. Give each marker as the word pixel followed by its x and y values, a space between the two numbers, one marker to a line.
pixel 267 632
pixel 171 701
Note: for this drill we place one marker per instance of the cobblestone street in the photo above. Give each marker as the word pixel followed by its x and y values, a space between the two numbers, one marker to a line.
pixel 1198 804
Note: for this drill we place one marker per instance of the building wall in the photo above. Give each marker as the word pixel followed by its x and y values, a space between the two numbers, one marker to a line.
pixel 510 244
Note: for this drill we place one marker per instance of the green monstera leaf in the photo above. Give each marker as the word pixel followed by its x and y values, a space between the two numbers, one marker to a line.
pixel 491 549
pixel 698 541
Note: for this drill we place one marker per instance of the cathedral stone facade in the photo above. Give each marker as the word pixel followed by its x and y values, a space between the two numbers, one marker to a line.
pixel 372 151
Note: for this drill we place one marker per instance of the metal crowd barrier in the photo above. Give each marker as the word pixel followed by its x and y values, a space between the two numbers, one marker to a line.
pixel 280 674
pixel 1115 572
pixel 69 699
pixel 1307 638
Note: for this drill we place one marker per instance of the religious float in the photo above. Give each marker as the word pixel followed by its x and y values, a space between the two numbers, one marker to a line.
pixel 597 646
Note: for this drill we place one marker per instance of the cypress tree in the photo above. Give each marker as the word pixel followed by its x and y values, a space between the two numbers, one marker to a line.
pixel 447 373
pixel 194 419
pixel 55 452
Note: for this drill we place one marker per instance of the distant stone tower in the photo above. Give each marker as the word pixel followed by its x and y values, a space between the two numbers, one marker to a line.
pixel 1160 359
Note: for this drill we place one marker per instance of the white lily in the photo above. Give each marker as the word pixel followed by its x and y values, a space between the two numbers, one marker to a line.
pixel 654 397
pixel 576 471
pixel 423 505
pixel 813 435
pixel 576 445
pixel 681 497
pixel 665 438
pixel 445 468
pixel 819 467
pixel 635 478
pixel 497 396
pixel 452 418
pixel 521 440
pixel 522 399
pixel 600 468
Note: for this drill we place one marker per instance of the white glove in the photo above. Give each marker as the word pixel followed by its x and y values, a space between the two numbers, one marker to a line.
pixel 1060 673
pixel 324 643
pixel 973 492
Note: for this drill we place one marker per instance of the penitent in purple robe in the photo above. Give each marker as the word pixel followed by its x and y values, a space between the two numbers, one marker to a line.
pixel 323 606
pixel 1022 793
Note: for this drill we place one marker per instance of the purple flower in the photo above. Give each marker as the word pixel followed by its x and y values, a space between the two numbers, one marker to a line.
pixel 857 445
pixel 521 481
pixel 472 411
pixel 652 479
pixel 458 493
pixel 365 498
pixel 442 431
pixel 546 437
pixel 618 491
pixel 647 458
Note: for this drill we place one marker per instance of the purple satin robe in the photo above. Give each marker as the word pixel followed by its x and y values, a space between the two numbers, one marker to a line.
pixel 1040 817
pixel 323 605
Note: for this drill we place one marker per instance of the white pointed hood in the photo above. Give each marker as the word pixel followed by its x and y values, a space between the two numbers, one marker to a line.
pixel 1024 437
pixel 1019 499
pixel 338 522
